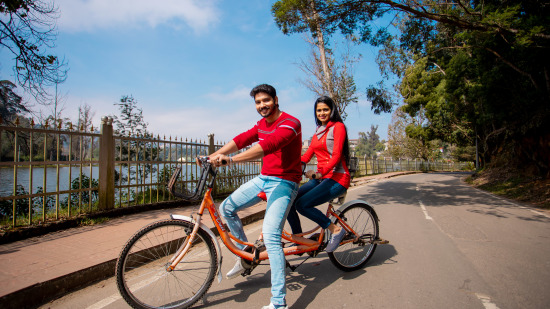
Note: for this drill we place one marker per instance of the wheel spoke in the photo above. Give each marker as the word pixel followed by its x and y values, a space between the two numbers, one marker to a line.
pixel 142 275
pixel 353 255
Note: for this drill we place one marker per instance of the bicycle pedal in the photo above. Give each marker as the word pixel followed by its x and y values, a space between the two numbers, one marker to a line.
pixel 247 272
pixel 380 241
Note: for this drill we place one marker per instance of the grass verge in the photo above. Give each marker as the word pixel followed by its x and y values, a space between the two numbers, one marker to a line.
pixel 512 185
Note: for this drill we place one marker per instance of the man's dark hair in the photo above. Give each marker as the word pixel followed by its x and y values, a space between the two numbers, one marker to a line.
pixel 263 88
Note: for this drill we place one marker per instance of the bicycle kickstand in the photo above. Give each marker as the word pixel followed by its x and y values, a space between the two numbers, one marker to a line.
pixel 293 268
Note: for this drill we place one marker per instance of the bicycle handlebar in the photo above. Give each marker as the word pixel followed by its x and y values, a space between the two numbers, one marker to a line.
pixel 207 160
pixel 206 170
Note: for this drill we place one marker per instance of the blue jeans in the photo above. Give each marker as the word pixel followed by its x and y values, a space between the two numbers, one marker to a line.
pixel 280 194
pixel 313 193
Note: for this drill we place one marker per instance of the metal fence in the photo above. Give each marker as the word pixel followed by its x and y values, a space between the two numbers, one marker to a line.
pixel 51 153
pixel 371 166
pixel 49 173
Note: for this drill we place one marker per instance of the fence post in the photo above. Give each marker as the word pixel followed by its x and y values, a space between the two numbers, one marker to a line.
pixel 106 165
pixel 211 146
pixel 399 165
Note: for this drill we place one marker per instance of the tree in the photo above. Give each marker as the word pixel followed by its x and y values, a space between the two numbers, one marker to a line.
pixel 10 102
pixel 27 30
pixel 474 83
pixel 343 89
pixel 83 124
pixel 486 61
pixel 369 143
pixel 131 123
pixel 331 77
pixel 400 144
pixel 321 19
pixel 57 104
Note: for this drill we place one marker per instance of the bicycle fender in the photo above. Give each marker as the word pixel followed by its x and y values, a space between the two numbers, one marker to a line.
pixel 211 234
pixel 353 202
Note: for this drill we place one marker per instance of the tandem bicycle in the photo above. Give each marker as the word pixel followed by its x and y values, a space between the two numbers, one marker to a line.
pixel 172 263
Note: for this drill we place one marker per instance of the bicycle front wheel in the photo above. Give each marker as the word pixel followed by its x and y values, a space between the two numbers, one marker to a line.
pixel 141 270
pixel 353 255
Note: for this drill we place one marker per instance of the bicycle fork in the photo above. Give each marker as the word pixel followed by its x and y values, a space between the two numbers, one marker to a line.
pixel 181 252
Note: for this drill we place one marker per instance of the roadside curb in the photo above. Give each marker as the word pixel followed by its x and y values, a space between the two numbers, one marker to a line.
pixel 43 292
pixel 362 181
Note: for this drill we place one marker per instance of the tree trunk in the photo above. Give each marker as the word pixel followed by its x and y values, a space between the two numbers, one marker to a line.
pixel 322 52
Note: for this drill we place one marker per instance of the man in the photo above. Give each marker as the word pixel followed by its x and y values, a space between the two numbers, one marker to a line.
pixel 279 140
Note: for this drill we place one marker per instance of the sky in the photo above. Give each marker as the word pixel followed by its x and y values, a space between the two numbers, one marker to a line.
pixel 190 65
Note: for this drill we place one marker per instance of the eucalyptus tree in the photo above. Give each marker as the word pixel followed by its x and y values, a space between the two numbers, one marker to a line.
pixel 327 73
pixel 343 89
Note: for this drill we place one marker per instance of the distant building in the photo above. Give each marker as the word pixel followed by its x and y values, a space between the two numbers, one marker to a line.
pixel 305 145
pixel 353 144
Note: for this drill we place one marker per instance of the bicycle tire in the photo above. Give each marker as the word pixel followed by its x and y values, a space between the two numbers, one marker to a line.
pixel 141 270
pixel 364 221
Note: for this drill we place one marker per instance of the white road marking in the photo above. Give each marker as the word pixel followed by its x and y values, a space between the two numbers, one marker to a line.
pixel 105 302
pixel 424 210
pixel 539 213
pixel 486 301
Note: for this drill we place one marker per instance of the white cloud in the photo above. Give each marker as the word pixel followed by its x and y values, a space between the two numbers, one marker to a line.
pixel 87 15
pixel 225 114
pixel 197 123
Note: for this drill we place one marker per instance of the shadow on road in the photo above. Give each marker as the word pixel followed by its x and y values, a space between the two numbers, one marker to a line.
pixel 312 278
pixel 447 190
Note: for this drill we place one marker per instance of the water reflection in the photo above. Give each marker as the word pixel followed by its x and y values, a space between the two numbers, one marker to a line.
pixel 24 175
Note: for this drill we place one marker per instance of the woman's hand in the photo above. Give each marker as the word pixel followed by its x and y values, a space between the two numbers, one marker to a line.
pixel 313 175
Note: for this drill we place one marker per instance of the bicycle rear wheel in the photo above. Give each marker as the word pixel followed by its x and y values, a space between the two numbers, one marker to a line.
pixel 141 270
pixel 353 255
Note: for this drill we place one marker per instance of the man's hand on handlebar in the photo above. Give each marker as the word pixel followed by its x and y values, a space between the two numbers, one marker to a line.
pixel 219 160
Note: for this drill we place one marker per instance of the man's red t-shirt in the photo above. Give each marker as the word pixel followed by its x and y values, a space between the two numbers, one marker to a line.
pixel 281 142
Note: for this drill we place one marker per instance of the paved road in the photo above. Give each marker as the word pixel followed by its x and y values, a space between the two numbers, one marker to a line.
pixel 451 247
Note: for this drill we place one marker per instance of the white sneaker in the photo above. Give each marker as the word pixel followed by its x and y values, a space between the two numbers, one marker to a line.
pixel 335 240
pixel 236 271
pixel 271 306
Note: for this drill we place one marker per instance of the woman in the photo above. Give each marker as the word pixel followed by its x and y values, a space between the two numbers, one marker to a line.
pixel 332 178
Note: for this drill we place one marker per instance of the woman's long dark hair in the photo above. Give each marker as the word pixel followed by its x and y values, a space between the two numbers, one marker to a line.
pixel 334 117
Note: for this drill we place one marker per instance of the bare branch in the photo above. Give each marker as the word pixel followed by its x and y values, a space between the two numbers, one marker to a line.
pixel 27 31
